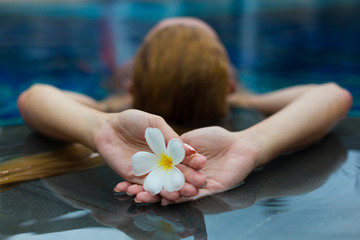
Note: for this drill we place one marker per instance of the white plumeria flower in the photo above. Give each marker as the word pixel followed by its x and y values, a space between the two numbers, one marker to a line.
pixel 161 165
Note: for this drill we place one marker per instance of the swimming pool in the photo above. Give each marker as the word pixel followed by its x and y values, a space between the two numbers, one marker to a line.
pixel 273 43
pixel 311 194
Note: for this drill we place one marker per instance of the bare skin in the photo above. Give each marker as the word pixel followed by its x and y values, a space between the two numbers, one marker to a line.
pixel 115 136
pixel 304 116
pixel 299 116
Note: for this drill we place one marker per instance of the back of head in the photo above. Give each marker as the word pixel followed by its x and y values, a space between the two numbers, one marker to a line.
pixel 182 74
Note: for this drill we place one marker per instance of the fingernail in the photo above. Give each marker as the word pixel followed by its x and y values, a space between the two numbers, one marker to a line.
pixel 193 151
pixel 204 186
pixel 203 164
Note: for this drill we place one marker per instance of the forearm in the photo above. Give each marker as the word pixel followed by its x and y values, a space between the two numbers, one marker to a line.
pixel 303 121
pixel 51 112
pixel 116 103
pixel 272 102
pixel 84 100
pixel 269 103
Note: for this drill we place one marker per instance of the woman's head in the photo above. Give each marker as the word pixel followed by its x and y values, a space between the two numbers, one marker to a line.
pixel 181 72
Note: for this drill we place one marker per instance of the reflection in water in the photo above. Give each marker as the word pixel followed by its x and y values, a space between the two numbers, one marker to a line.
pixel 290 175
pixel 267 193
pixel 70 158
pixel 356 156
pixel 275 206
pixel 264 43
pixel 162 228
pixel 350 170
pixel 352 167
pixel 182 220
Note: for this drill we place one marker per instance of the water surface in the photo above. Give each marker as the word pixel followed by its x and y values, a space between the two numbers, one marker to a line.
pixel 311 194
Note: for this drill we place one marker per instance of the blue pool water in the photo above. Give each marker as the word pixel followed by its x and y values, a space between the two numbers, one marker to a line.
pixel 310 194
pixel 75 45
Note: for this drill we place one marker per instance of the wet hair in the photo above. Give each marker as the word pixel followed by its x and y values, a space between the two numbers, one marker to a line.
pixel 73 157
pixel 182 74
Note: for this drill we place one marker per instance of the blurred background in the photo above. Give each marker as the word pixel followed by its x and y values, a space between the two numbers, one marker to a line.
pixel 75 45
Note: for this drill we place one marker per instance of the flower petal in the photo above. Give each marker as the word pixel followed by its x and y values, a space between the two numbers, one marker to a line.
pixel 176 151
pixel 154 182
pixel 143 162
pixel 174 180
pixel 155 140
pixel 143 222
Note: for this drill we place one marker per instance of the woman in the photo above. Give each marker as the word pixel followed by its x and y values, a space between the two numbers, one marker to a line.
pixel 187 85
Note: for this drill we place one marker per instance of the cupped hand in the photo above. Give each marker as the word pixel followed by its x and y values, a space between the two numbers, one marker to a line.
pixel 230 159
pixel 121 135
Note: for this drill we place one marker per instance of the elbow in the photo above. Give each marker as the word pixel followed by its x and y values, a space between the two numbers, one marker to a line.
pixel 342 97
pixel 342 94
pixel 22 103
pixel 25 95
pixel 24 99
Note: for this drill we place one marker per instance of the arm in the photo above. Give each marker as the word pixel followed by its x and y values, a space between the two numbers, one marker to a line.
pixel 66 115
pixel 304 119
pixel 269 103
pixel 116 136
pixel 116 103
pixel 113 103
pixel 60 115
pixel 82 99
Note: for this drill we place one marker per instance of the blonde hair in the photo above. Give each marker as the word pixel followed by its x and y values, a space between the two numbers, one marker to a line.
pixel 71 158
pixel 182 74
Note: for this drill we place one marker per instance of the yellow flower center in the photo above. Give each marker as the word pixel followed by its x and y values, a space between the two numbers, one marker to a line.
pixel 166 227
pixel 166 162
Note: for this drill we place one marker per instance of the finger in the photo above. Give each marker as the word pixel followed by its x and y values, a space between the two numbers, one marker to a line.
pixel 134 189
pixel 122 186
pixel 172 196
pixel 189 150
pixel 146 197
pixel 188 190
pixel 192 176
pixel 201 194
pixel 165 202
pixel 195 161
